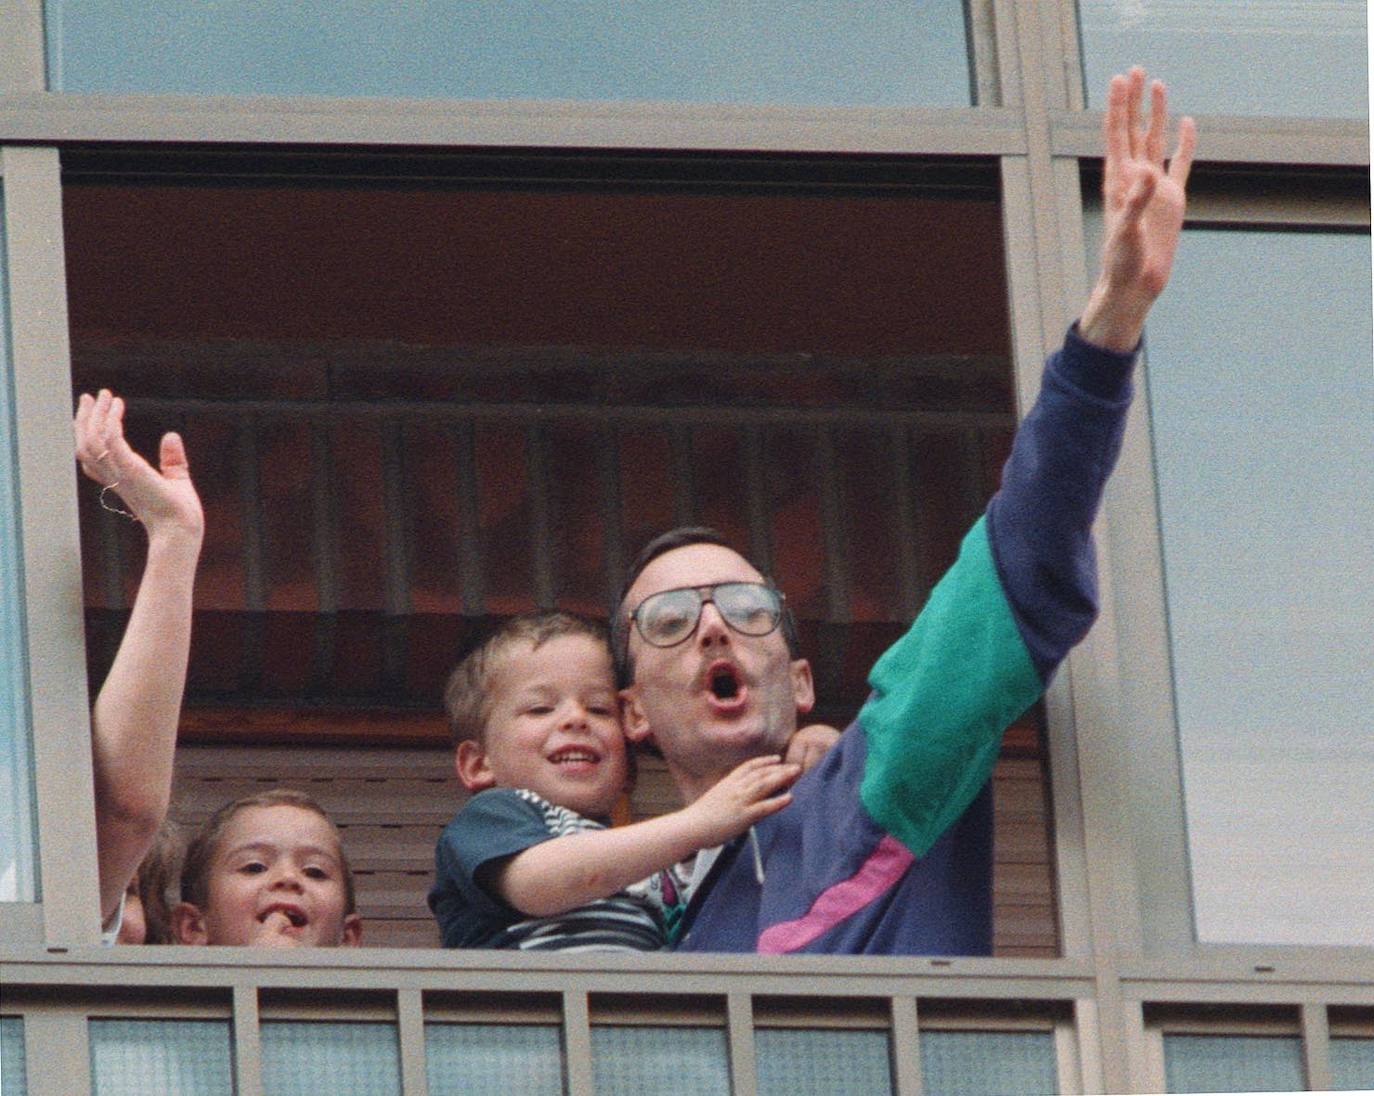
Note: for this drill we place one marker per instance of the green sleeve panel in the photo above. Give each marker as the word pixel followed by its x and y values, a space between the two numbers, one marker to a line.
pixel 942 696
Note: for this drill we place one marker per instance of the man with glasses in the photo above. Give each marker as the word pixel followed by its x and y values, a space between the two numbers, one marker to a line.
pixel 876 853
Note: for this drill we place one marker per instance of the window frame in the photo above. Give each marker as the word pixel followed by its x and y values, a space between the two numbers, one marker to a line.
pixel 1109 710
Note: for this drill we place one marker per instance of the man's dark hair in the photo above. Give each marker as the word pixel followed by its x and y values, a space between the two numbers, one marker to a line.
pixel 680 537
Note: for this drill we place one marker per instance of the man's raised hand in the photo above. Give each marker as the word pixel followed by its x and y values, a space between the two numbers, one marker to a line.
pixel 1143 201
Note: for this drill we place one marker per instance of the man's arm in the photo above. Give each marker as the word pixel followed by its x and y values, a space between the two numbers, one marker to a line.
pixel 1023 590
pixel 134 720
pixel 566 872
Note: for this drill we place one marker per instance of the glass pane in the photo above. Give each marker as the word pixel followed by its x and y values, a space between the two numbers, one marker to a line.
pixel 822 1063
pixel 1232 1063
pixel 973 1063
pixel 14 1079
pixel 1352 1063
pixel 871 52
pixel 667 1061
pixel 1265 464
pixel 17 867
pixel 299 1058
pixel 135 1057
pixel 1266 57
pixel 493 1060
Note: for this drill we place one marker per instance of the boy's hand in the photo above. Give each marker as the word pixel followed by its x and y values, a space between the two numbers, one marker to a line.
pixel 752 790
pixel 810 744
pixel 163 499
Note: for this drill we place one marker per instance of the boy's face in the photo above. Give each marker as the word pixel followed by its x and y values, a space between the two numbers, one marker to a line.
pixel 276 880
pixel 553 726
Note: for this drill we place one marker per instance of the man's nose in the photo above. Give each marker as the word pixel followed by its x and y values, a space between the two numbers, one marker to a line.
pixel 712 631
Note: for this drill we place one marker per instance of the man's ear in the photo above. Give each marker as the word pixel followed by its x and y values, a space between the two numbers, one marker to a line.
pixel 470 763
pixel 803 688
pixel 352 931
pixel 188 924
pixel 633 721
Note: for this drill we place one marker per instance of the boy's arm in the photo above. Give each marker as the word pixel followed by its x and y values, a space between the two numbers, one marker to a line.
pixel 134 719
pixel 566 872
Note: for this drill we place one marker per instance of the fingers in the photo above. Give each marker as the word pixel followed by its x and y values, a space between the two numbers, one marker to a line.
pixel 1159 121
pixel 172 457
pixel 1115 129
pixel 764 807
pixel 1182 163
pixel 1135 84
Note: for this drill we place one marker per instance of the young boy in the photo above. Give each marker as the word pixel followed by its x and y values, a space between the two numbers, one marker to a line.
pixel 267 870
pixel 528 862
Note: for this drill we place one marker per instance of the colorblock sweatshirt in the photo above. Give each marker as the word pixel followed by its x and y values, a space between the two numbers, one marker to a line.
pixel 886 847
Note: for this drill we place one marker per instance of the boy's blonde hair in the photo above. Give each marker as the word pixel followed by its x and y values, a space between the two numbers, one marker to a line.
pixel 467 696
pixel 195 869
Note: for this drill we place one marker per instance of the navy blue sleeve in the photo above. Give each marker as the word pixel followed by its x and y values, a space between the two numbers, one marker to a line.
pixel 492 825
pixel 1040 521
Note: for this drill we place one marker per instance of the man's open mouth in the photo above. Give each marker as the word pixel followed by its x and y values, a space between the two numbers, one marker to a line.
pixel 723 681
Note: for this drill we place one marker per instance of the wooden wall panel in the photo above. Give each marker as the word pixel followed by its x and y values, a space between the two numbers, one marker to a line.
pixel 390 805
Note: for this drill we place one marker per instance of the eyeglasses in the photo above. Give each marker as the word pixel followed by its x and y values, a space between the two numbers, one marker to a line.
pixel 668 617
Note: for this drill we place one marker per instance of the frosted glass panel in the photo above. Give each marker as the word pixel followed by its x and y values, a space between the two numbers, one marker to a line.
pixel 18 881
pixel 305 1059
pixel 136 1057
pixel 1232 1063
pixel 13 1075
pixel 1352 1063
pixel 1261 383
pixel 974 1063
pixel 868 52
pixel 676 1061
pixel 822 1063
pixel 493 1060
pixel 1261 57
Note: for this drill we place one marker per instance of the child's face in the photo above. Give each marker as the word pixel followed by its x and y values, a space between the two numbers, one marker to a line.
pixel 553 727
pixel 276 880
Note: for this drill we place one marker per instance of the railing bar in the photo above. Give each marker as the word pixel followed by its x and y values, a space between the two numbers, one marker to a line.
pixel 577 1043
pixel 684 477
pixel 325 545
pixel 1088 1036
pixel 248 458
pixel 410 1024
pixel 639 415
pixel 541 517
pixel 1066 1056
pixel 836 555
pixel 906 1047
pixel 250 508
pixel 57 1053
pixel 910 531
pixel 612 516
pixel 1316 1046
pixel 469 521
pixel 111 557
pixel 739 1009
pixel 247 1042
pixel 756 498
pixel 399 553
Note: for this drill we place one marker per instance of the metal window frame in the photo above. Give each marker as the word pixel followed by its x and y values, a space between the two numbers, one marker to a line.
pixel 1119 961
